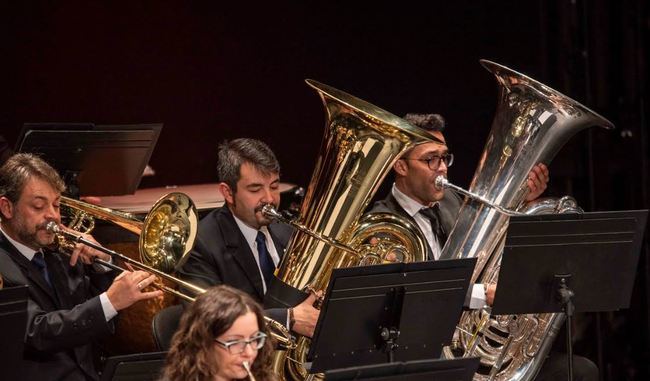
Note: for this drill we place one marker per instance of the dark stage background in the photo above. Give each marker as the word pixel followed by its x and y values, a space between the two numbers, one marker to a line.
pixel 211 71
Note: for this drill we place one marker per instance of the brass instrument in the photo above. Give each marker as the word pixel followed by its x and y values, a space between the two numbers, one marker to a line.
pixel 360 145
pixel 167 235
pixel 531 124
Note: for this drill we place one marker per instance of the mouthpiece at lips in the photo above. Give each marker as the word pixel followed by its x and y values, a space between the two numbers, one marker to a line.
pixel 440 182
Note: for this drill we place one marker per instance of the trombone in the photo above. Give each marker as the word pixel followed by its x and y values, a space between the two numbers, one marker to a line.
pixel 167 235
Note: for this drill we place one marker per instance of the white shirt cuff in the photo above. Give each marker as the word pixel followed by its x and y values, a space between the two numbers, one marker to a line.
pixel 477 300
pixel 107 307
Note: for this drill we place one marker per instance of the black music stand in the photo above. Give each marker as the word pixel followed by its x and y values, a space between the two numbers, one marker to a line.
pixel 93 160
pixel 134 367
pixel 13 320
pixel 568 263
pixel 461 369
pixel 386 313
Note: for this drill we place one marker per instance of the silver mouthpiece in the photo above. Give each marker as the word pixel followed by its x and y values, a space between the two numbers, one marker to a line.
pixel 269 211
pixel 53 227
pixel 441 182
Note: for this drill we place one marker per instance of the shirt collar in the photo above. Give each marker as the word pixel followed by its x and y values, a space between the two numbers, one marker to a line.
pixel 411 206
pixel 26 251
pixel 249 233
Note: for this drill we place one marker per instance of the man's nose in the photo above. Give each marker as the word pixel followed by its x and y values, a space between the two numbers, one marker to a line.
pixel 52 213
pixel 268 195
pixel 442 167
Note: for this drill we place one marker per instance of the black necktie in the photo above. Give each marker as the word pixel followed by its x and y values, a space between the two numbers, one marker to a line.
pixel 39 261
pixel 266 262
pixel 433 214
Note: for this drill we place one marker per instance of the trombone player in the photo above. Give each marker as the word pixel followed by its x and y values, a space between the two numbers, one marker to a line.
pixel 70 303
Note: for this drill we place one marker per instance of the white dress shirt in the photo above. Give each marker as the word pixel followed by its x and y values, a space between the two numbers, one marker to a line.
pixel 413 207
pixel 250 234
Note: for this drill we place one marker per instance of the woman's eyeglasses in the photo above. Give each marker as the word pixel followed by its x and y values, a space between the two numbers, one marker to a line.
pixel 236 347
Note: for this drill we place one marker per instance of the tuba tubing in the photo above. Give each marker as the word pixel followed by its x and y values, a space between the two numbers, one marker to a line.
pixel 360 144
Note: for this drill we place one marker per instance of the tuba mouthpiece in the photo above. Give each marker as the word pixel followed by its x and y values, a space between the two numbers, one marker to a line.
pixel 441 182
pixel 268 210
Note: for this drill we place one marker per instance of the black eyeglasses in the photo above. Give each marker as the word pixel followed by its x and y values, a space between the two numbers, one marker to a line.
pixel 236 347
pixel 433 162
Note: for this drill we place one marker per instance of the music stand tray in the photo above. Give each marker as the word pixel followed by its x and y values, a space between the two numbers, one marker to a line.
pixel 13 320
pixel 461 369
pixel 596 252
pixel 393 312
pixel 93 160
pixel 134 367
pixel 569 262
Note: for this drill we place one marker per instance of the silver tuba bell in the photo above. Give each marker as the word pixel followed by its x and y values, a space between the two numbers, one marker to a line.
pixel 531 124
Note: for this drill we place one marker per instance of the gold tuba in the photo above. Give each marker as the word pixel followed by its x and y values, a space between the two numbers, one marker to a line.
pixel 360 145
pixel 531 124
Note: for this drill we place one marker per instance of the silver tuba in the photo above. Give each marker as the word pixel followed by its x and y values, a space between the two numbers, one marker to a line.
pixel 531 124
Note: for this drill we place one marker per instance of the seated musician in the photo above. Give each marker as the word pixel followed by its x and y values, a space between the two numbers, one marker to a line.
pixel 236 244
pixel 220 331
pixel 415 196
pixel 71 303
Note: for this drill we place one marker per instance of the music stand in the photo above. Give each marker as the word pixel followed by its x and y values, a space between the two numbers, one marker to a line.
pixel 569 262
pixel 93 160
pixel 13 320
pixel 461 369
pixel 134 367
pixel 400 312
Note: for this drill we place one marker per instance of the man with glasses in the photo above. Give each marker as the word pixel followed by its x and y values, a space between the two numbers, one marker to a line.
pixel 415 196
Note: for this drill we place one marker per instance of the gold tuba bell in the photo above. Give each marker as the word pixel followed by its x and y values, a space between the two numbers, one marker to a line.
pixel 531 124
pixel 360 145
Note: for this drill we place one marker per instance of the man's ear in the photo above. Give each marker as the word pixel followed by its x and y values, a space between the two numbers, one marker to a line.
pixel 228 194
pixel 400 167
pixel 6 208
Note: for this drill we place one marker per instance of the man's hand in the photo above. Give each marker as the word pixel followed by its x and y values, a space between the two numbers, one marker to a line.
pixel 85 253
pixel 127 289
pixel 306 316
pixel 490 290
pixel 537 181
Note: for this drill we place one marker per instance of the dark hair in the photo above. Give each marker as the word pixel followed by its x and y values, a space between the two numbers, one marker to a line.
pixel 429 122
pixel 232 154
pixel 19 168
pixel 212 313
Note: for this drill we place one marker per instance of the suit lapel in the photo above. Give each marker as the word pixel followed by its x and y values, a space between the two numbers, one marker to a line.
pixel 392 203
pixel 33 275
pixel 238 248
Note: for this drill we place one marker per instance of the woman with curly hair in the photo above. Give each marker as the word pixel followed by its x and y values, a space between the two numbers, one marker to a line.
pixel 220 331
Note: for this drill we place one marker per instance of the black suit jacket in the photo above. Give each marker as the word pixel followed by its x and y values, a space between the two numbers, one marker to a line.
pixel 449 208
pixel 221 255
pixel 63 320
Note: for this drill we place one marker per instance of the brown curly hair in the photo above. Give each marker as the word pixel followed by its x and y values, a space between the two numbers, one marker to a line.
pixel 191 355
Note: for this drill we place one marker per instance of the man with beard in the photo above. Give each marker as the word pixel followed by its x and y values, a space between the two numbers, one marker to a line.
pixel 67 307
pixel 415 197
pixel 236 244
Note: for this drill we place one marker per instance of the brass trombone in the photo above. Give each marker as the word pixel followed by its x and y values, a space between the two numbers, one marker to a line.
pixel 167 235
